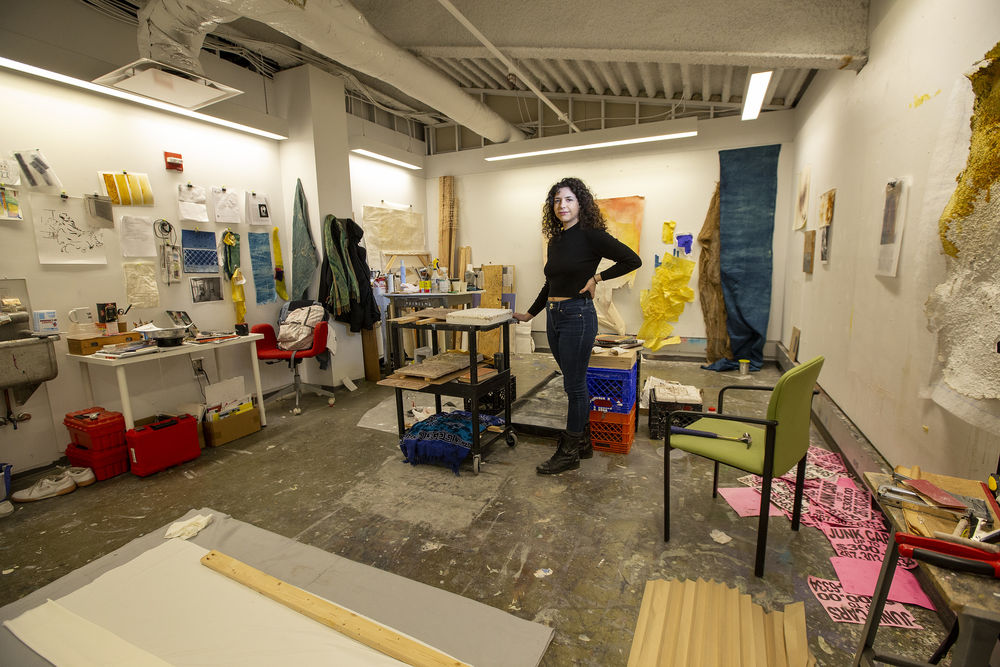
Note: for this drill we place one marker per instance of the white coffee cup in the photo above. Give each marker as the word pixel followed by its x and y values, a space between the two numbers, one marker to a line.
pixel 81 316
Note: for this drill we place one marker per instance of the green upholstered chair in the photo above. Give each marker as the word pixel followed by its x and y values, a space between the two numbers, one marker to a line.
pixel 778 442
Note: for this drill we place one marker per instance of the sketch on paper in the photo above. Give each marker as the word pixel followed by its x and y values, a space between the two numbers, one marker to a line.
pixel 63 234
pixel 802 201
pixel 10 173
pixel 826 203
pixel 893 217
pixel 392 231
pixel 808 251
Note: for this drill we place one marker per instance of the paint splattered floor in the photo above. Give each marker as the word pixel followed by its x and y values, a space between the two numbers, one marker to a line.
pixel 493 537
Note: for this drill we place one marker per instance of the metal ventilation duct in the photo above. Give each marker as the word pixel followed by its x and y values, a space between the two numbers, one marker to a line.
pixel 172 31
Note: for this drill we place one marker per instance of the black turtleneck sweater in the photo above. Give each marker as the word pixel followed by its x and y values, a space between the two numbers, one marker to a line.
pixel 572 260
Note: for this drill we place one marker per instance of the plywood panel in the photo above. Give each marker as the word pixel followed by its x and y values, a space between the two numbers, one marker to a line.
pixel 796 641
pixel 489 341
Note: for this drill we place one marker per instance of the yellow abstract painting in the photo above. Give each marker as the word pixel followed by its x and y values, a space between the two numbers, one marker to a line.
pixel 624 216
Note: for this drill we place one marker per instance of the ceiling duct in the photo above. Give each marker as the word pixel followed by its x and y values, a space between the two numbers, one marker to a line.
pixel 170 36
pixel 337 30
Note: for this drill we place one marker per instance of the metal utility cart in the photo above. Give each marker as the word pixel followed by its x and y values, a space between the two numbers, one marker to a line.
pixel 473 390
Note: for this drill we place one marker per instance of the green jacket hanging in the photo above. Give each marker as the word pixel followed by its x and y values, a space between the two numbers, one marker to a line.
pixel 343 283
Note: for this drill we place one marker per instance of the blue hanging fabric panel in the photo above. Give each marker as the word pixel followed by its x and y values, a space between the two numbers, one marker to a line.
pixel 260 264
pixel 305 259
pixel 748 185
pixel 199 251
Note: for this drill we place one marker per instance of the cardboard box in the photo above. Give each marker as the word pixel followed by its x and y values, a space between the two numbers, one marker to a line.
pixel 232 427
pixel 85 344
pixel 607 359
pixel 44 321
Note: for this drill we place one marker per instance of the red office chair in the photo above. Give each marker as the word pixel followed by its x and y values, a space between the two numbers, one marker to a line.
pixel 268 350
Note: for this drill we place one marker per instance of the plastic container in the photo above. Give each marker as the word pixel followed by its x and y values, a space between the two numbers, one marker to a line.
pixel 166 443
pixel 612 431
pixel 96 428
pixel 105 463
pixel 612 390
pixel 744 367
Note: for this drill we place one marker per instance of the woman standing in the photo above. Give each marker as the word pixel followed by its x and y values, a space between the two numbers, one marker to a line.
pixel 575 230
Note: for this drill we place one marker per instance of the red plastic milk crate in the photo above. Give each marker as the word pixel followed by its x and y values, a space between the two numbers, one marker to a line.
pixel 96 428
pixel 166 443
pixel 612 431
pixel 106 463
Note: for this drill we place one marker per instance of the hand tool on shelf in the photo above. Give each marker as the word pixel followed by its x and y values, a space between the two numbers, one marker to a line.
pixel 947 555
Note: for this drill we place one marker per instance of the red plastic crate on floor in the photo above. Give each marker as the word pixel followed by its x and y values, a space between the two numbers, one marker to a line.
pixel 166 443
pixel 612 431
pixel 105 463
pixel 96 428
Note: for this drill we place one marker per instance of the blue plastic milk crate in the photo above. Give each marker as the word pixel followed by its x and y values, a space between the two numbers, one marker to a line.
pixel 612 389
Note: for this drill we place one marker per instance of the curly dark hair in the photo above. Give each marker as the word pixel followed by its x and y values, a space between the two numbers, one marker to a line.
pixel 590 215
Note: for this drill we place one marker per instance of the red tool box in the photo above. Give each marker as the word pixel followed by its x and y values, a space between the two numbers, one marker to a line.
pixel 106 463
pixel 96 428
pixel 166 443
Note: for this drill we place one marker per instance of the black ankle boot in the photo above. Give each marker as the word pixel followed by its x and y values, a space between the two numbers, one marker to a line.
pixel 586 448
pixel 567 456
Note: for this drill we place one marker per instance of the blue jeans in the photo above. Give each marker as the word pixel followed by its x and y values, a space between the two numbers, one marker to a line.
pixel 571 326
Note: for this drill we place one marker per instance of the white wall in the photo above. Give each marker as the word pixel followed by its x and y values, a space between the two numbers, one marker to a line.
pixel 855 132
pixel 81 133
pixel 500 208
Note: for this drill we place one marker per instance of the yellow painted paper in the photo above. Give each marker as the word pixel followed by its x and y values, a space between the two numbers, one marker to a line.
pixel 668 231
pixel 664 301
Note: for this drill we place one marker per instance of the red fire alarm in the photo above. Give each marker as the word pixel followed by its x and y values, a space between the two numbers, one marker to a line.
pixel 173 161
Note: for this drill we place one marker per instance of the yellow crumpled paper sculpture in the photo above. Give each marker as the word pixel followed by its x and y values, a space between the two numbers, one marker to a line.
pixel 668 231
pixel 664 301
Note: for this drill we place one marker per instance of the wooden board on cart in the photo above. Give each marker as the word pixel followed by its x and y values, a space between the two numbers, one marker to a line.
pixel 437 366
pixel 927 522
pixel 484 372
pixel 489 341
pixel 437 313
pixel 403 382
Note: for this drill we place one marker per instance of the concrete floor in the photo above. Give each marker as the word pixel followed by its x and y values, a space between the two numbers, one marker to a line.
pixel 320 479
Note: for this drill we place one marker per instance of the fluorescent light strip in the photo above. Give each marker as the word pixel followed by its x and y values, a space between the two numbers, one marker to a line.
pixel 131 97
pixel 755 94
pixel 383 158
pixel 603 144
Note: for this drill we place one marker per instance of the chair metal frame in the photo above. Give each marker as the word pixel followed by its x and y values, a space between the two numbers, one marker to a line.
pixel 771 427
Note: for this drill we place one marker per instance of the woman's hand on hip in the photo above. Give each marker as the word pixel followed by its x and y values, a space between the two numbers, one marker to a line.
pixel 522 317
pixel 590 287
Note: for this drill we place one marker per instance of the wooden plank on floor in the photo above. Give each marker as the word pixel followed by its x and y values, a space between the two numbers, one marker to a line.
pixel 796 640
pixel 682 646
pixel 369 349
pixel 748 650
pixel 777 619
pixel 700 622
pixel 731 629
pixel 759 636
pixel 649 628
pixel 362 629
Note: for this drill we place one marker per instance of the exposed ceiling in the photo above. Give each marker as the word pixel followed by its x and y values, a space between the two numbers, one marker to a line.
pixel 603 64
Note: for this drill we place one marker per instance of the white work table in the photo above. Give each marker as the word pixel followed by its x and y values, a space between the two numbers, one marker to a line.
pixel 86 361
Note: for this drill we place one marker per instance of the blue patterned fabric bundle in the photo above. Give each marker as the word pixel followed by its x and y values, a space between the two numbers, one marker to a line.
pixel 444 438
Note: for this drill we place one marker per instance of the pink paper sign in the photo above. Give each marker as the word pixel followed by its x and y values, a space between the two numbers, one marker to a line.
pixel 861 543
pixel 746 501
pixel 860 576
pixel 846 608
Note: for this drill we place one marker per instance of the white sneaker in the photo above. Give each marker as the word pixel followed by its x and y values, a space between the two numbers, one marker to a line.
pixel 82 476
pixel 6 509
pixel 46 487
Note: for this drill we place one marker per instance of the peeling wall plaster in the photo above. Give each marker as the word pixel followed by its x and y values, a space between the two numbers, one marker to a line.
pixel 964 310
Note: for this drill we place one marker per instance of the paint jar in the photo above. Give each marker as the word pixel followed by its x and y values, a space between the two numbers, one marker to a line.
pixel 744 366
pixel 457 285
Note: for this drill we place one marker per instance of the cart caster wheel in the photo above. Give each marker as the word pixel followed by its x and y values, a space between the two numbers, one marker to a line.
pixel 296 411
pixel 512 439
pixel 331 402
pixel 476 464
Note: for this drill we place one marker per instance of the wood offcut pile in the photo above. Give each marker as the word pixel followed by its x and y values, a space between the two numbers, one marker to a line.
pixel 707 623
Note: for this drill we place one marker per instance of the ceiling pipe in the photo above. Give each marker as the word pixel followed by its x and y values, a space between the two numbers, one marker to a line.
pixel 336 29
pixel 172 31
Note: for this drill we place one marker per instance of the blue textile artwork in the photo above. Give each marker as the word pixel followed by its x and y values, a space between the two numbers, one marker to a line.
pixel 748 184
pixel 444 438
pixel 260 264
pixel 305 258
pixel 200 251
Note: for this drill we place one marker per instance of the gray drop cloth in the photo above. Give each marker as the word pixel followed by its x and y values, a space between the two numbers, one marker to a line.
pixel 382 417
pixel 468 630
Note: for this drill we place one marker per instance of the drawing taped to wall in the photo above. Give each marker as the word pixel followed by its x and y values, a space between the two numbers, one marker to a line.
pixel 63 233
pixel 802 201
pixel 10 207
pixel 893 217
pixel 808 251
pixel 127 189
pixel 38 172
pixel 826 203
